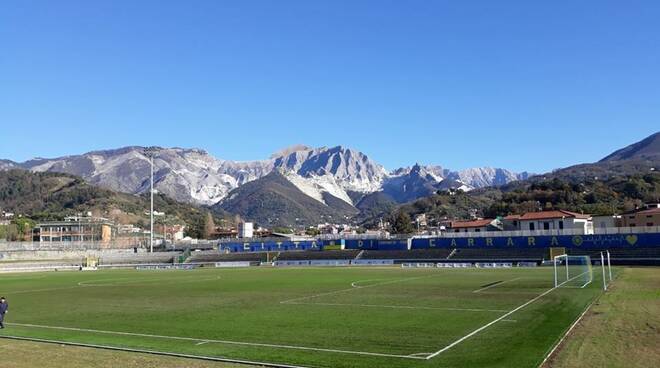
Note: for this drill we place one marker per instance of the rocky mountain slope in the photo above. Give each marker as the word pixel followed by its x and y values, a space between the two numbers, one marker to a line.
pixel 274 200
pixel 193 175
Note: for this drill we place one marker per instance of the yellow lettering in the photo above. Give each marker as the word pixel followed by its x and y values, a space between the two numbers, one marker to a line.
pixel 531 240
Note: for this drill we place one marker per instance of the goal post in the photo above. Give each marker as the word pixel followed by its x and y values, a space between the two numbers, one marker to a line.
pixel 572 271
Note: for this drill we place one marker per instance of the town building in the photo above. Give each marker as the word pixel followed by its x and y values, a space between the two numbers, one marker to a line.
pixel 77 228
pixel 511 222
pixel 480 225
pixel 554 220
pixel 606 221
pixel 245 230
pixel 647 216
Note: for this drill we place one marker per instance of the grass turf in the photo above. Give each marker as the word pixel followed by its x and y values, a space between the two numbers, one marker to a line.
pixel 21 354
pixel 622 329
pixel 316 317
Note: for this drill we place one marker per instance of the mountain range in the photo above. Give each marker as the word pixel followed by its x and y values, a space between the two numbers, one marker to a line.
pixel 335 178
pixel 301 184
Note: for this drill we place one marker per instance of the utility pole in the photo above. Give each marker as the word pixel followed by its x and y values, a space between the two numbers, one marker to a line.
pixel 149 151
pixel 151 232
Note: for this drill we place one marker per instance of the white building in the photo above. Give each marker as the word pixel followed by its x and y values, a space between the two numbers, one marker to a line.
pixel 556 220
pixel 245 230
pixel 606 221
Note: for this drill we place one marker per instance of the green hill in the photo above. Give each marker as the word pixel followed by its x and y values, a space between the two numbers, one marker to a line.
pixel 51 196
pixel 274 201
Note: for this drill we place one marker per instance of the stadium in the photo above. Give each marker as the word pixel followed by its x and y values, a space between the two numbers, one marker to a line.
pixel 329 184
pixel 466 300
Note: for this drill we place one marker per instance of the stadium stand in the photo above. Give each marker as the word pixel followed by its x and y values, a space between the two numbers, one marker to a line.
pixel 536 254
pixel 45 265
pixel 627 256
pixel 215 256
pixel 138 258
pixel 413 254
pixel 315 254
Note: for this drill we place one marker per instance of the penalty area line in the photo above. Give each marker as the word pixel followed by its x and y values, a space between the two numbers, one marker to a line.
pixel 498 319
pixel 225 342
pixel 401 307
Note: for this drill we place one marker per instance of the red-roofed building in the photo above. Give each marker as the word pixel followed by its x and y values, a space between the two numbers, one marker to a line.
pixel 550 220
pixel 474 226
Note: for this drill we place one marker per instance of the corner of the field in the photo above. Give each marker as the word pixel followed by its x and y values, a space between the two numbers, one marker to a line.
pixel 557 347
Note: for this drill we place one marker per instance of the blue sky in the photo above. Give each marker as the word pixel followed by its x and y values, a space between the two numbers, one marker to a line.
pixel 525 85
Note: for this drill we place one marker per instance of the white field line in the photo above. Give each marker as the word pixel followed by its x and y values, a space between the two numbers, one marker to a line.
pixel 39 290
pixel 288 301
pixel 355 284
pixel 498 319
pixel 226 342
pixel 401 307
pixel 90 284
pixel 138 282
pixel 497 284
pixel 422 355
pixel 567 332
pixel 154 352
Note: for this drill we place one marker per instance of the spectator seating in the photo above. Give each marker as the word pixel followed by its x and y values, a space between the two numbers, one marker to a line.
pixel 536 254
pixel 413 254
pixel 315 254
pixel 138 258
pixel 215 256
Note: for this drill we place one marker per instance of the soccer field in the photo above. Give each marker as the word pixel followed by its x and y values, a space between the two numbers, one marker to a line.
pixel 311 317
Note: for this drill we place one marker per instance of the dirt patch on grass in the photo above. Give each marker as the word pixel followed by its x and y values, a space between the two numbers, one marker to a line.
pixel 27 354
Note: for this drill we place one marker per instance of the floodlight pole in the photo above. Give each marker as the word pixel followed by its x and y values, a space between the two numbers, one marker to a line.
pixel 602 265
pixel 609 265
pixel 151 233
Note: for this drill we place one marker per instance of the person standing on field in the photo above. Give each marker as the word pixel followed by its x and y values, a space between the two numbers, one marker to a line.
pixel 3 310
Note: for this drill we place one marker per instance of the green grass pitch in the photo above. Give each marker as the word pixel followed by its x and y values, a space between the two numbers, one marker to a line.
pixel 311 317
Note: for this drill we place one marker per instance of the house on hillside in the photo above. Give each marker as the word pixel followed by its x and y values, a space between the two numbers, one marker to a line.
pixel 647 216
pixel 550 220
pixel 476 226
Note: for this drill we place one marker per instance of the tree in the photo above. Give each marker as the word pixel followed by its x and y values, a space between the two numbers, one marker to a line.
pixel 312 231
pixel 209 226
pixel 402 223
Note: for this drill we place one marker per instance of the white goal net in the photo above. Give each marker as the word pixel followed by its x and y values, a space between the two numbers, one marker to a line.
pixel 572 271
